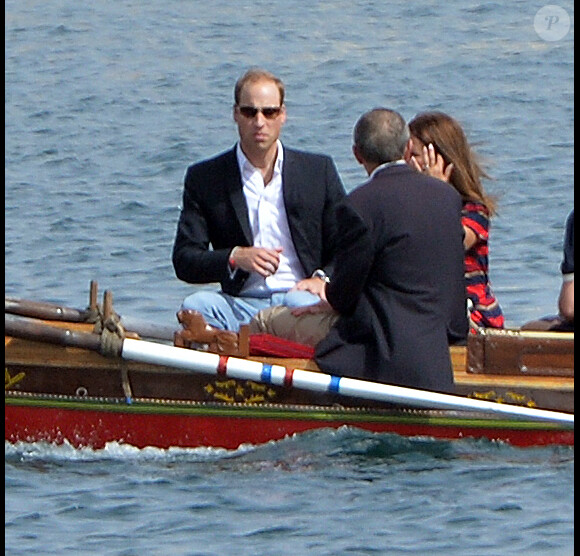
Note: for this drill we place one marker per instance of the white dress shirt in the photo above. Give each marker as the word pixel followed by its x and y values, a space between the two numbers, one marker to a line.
pixel 269 225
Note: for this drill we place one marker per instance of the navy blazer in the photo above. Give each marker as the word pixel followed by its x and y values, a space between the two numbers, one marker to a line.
pixel 398 283
pixel 214 216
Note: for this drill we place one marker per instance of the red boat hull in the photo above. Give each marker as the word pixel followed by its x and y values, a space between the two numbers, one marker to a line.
pixel 169 425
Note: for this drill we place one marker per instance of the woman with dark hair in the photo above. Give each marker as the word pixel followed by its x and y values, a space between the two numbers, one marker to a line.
pixel 441 150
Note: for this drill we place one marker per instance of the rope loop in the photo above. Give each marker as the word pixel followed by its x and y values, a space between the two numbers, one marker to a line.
pixel 112 337
pixel 100 321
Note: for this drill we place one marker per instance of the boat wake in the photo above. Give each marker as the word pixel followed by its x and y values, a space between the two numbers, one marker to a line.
pixel 313 448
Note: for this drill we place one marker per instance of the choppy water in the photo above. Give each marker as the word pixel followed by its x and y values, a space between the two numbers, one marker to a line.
pixel 106 103
pixel 322 493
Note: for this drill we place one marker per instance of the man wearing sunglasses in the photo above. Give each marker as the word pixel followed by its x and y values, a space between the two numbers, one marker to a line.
pixel 258 218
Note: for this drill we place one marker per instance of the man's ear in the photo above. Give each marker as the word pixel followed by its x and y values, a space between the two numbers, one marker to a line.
pixel 408 151
pixel 357 154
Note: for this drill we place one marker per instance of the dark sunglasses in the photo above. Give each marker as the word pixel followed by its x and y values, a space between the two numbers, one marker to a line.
pixel 270 112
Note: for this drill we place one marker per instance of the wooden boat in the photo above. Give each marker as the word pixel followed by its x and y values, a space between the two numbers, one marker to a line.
pixel 80 376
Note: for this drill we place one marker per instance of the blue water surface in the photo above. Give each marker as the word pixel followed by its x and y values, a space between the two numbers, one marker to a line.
pixel 107 103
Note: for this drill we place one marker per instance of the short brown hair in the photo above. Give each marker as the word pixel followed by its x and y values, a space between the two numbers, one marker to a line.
pixel 252 76
pixel 381 135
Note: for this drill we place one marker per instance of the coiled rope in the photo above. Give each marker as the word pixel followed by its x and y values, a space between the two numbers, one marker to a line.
pixel 112 336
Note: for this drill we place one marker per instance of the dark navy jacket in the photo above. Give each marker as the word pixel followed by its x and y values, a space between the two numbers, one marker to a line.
pixel 214 216
pixel 398 282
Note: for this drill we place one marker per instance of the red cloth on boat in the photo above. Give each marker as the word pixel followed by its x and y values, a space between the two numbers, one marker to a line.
pixel 273 346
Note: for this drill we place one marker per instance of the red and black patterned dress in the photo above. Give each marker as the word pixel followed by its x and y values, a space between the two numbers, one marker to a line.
pixel 485 310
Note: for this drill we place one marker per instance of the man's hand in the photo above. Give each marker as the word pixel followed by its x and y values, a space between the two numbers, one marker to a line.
pixel 262 260
pixel 312 285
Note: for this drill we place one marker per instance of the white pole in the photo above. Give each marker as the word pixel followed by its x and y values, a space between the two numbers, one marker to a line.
pixel 211 363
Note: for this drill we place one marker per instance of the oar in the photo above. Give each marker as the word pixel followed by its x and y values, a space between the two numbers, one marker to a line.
pixel 52 311
pixel 211 363
pixel 42 310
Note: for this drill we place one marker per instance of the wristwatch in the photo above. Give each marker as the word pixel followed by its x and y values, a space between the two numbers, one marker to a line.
pixel 320 274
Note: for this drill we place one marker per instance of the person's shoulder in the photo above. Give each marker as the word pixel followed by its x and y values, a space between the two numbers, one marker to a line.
pixel 205 175
pixel 446 193
pixel 569 231
pixel 213 161
pixel 299 154
pixel 435 186
pixel 475 207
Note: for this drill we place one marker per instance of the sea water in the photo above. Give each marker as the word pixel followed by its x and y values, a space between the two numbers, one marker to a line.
pixel 107 103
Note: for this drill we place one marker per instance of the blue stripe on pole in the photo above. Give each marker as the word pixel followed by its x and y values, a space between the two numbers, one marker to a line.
pixel 266 375
pixel 334 384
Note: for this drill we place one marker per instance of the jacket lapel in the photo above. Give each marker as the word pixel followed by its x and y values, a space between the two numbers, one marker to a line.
pixel 290 189
pixel 234 185
pixel 297 209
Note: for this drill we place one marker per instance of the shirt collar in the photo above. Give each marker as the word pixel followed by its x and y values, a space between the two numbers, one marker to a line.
pixel 244 163
pixel 386 165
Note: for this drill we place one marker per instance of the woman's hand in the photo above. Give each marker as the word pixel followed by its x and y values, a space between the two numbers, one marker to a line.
pixel 434 165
